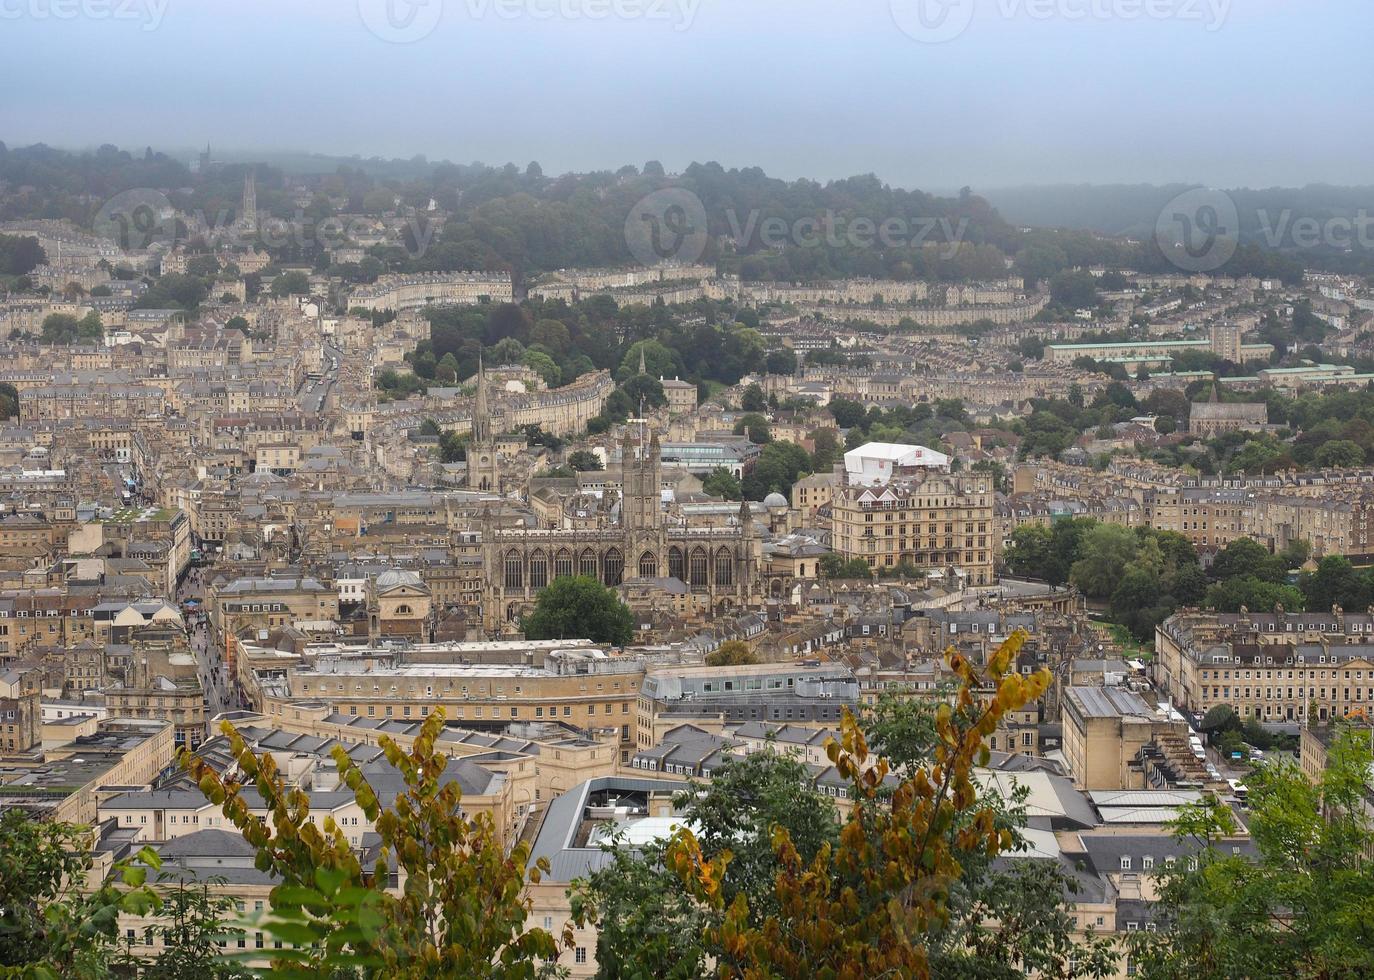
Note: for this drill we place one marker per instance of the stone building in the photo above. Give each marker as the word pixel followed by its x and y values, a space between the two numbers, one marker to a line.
pixel 632 539
pixel 1210 418
pixel 939 522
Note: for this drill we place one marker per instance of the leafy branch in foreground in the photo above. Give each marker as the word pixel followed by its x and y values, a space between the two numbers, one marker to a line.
pixel 865 906
pixel 1301 905
pixel 457 906
pixel 51 923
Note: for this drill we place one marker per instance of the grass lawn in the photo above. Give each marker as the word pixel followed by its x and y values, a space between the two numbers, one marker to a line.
pixel 1131 648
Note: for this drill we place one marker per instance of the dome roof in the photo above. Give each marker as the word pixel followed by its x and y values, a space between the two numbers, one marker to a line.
pixel 775 500
pixel 394 576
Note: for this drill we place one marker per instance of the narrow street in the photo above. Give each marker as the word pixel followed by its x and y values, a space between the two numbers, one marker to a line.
pixel 220 693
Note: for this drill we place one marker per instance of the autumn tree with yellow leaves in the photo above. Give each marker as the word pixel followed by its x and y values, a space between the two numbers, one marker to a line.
pixel 444 899
pixel 864 907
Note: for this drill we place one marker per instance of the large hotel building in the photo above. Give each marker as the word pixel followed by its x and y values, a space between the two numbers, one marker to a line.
pixel 900 504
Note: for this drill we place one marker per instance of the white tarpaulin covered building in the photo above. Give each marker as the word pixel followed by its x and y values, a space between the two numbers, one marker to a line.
pixel 875 463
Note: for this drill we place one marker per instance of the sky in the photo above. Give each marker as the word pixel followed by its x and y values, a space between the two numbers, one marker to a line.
pixel 931 94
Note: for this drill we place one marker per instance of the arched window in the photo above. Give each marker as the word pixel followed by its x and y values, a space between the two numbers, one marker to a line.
pixel 563 564
pixel 539 570
pixel 615 567
pixel 648 565
pixel 515 570
pixel 587 564
pixel 698 568
pixel 403 610
pixel 725 567
pixel 675 569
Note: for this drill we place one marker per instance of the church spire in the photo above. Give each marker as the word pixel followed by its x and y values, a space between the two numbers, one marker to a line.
pixel 481 419
pixel 643 368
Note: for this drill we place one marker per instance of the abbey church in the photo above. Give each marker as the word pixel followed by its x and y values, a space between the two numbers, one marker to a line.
pixel 637 537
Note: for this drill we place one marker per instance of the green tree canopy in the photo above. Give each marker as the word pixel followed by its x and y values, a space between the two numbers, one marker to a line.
pixel 579 607
pixel 584 460
pixel 720 482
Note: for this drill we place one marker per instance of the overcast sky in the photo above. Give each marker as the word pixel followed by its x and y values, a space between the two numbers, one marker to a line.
pixel 981 92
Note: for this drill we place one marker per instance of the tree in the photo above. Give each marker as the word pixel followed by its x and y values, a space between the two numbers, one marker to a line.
pixel 9 400
pixel 20 255
pixel 1105 552
pixel 579 607
pixel 646 913
pixel 777 468
pixel 644 390
pixel 647 923
pixel 847 413
pixel 291 284
pixel 60 328
pixel 867 904
pixel 1335 582
pixel 544 365
pixel 660 361
pixel 1255 594
pixel 1031 553
pixel 584 460
pixel 52 926
pixel 782 361
pixel 731 653
pixel 755 426
pixel 1296 553
pixel 1245 556
pixel 902 731
pixel 202 266
pixel 1339 453
pixel 825 451
pixel 1220 718
pixel 1137 603
pixel 720 482
pixel 447 369
pixel 460 911
pixel 1299 905
pixel 752 400
pixel 1074 289
pixel 834 565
